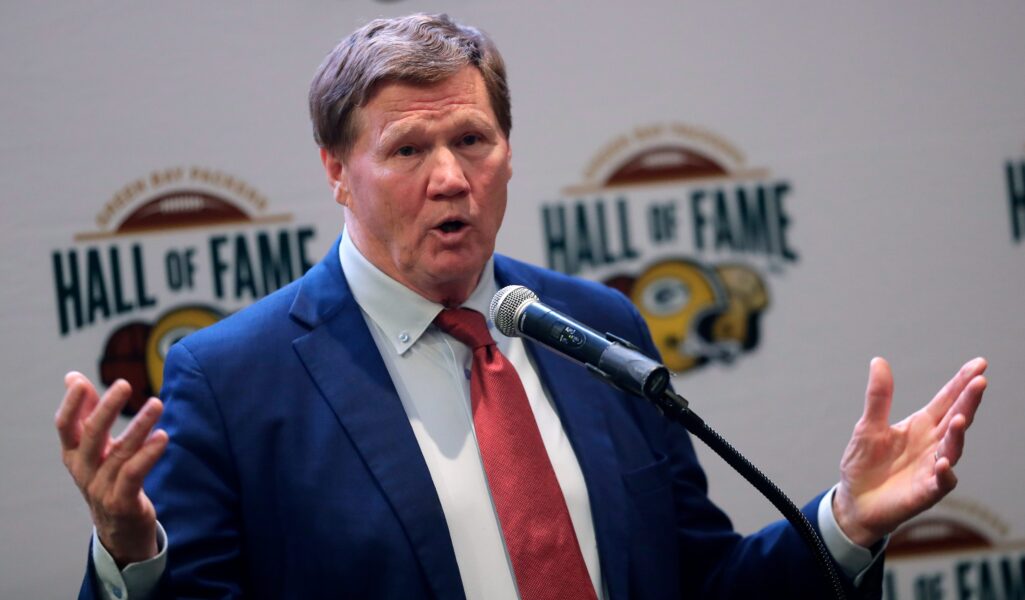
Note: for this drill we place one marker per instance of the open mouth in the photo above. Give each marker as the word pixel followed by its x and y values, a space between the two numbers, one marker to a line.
pixel 451 226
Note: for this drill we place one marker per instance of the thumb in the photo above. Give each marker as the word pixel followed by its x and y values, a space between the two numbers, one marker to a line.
pixel 879 393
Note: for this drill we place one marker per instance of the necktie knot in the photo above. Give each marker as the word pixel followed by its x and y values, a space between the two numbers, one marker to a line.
pixel 466 325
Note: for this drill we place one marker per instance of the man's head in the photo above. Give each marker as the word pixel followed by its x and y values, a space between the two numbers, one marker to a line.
pixel 418 49
pixel 412 116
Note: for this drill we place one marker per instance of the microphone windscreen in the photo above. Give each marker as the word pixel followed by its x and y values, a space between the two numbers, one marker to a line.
pixel 506 305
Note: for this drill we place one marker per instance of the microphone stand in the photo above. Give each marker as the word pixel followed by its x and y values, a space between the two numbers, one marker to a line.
pixel 677 408
pixel 623 365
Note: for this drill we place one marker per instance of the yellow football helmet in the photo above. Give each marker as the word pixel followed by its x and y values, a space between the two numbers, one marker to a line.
pixel 675 296
pixel 171 327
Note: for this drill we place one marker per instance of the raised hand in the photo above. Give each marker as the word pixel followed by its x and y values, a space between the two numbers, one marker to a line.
pixel 109 471
pixel 892 473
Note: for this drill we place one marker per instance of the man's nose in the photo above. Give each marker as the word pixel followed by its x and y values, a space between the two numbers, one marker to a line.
pixel 447 177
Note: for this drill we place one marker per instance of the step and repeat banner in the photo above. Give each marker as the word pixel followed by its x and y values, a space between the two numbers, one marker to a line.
pixel 784 189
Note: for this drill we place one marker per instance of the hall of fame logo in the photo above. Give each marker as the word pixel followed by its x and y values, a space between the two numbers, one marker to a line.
pixel 672 216
pixel 957 549
pixel 171 253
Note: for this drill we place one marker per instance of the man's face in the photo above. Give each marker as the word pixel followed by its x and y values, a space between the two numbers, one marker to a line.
pixel 425 184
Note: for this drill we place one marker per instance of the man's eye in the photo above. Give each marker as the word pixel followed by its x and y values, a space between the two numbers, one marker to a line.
pixel 406 151
pixel 469 140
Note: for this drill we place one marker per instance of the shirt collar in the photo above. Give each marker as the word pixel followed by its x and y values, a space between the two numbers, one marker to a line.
pixel 402 314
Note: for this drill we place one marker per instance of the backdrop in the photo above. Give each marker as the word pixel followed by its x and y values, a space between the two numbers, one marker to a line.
pixel 785 189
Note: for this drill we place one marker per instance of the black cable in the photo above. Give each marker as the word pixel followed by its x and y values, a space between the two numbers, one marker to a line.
pixel 677 408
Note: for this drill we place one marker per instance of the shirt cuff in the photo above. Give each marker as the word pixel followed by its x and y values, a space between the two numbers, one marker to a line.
pixel 137 580
pixel 853 559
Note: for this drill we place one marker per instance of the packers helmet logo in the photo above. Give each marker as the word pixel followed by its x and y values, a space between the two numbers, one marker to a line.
pixel 170 328
pixel 697 313
pixel 136 351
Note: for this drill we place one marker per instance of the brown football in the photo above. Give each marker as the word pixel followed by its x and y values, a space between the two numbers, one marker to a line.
pixel 935 534
pixel 664 163
pixel 182 208
pixel 124 357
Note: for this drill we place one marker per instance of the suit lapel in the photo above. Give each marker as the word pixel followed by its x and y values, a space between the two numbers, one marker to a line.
pixel 342 358
pixel 575 393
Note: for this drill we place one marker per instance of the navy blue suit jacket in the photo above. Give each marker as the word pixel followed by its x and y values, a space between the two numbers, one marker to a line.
pixel 292 469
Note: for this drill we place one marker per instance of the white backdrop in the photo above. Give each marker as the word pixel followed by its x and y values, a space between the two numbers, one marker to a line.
pixel 891 127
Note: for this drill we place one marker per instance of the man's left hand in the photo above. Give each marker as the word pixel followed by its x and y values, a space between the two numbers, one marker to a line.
pixel 889 474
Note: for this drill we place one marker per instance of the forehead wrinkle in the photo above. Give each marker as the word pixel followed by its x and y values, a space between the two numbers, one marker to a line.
pixel 447 102
pixel 395 103
pixel 403 110
pixel 407 123
pixel 401 97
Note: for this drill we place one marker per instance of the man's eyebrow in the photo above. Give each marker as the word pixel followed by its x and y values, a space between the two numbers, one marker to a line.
pixel 392 133
pixel 479 122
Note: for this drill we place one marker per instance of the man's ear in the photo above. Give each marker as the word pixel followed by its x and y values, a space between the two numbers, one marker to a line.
pixel 336 174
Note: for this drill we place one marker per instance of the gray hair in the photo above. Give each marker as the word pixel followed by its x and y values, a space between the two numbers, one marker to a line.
pixel 419 49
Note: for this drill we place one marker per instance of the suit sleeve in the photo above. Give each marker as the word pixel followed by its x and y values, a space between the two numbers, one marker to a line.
pixel 194 487
pixel 714 560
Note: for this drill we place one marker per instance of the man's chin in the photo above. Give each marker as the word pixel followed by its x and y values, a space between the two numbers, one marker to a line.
pixel 452 281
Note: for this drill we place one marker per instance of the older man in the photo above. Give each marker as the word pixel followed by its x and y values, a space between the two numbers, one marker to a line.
pixel 363 433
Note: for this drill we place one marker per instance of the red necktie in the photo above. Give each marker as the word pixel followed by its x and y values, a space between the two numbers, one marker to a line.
pixel 531 509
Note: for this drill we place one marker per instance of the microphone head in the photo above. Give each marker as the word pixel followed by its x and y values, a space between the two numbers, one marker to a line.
pixel 507 304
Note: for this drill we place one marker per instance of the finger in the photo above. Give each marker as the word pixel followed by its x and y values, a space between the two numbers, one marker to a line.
pixel 952 444
pixel 945 478
pixel 96 430
pixel 940 404
pixel 132 474
pixel 959 418
pixel 131 439
pixel 91 397
pixel 879 394
pixel 79 399
pixel 69 427
pixel 968 402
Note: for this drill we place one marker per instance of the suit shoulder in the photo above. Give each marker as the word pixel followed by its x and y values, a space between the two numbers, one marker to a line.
pixel 556 284
pixel 255 325
pixel 591 302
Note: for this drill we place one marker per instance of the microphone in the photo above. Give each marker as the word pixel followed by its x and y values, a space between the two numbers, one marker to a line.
pixel 517 311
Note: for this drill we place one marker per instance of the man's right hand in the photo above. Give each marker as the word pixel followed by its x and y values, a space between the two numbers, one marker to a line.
pixel 110 471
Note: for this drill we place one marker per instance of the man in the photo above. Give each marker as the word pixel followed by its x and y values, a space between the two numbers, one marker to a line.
pixel 360 434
